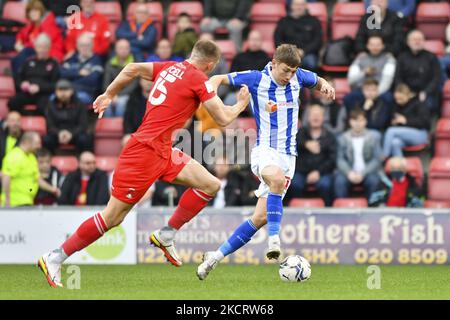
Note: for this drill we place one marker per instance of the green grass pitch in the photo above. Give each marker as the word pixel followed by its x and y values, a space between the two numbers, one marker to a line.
pixel 228 282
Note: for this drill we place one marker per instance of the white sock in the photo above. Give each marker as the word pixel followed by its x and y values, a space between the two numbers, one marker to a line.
pixel 274 238
pixel 168 233
pixel 57 256
pixel 218 255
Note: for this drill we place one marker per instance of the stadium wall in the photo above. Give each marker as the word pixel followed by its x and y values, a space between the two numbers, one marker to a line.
pixel 323 236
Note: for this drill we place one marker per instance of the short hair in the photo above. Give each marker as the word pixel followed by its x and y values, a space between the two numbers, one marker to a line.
pixel 28 136
pixel 370 82
pixel 375 35
pixel 43 153
pixel 356 113
pixel 184 15
pixel 43 38
pixel 288 54
pixel 35 5
pixel 403 87
pixel 206 50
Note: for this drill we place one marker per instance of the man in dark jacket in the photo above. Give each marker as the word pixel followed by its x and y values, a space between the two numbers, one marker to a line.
pixel 390 28
pixel 303 30
pixel 85 186
pixel 10 134
pixel 254 58
pixel 36 79
pixel 67 120
pixel 231 14
pixel 50 179
pixel 420 70
pixel 317 157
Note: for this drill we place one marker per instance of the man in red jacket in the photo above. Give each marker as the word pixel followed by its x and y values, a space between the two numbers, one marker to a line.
pixel 88 21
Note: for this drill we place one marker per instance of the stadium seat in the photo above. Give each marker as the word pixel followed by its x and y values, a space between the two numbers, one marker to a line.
pixel 439 179
pixel 350 203
pixel 432 19
pixel 108 136
pixel 446 100
pixel 346 18
pixel 3 108
pixel 194 9
pixel 319 10
pixel 15 10
pixel 307 203
pixel 342 88
pixel 156 13
pixel 413 167
pixel 113 11
pixel 228 49
pixel 7 88
pixel 416 148
pixel 106 163
pixel 246 123
pixel 37 124
pixel 435 46
pixel 5 65
pixel 264 17
pixel 432 204
pixel 442 141
pixel 65 164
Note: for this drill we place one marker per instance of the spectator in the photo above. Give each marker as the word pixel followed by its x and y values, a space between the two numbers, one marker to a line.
pixel 140 32
pixel 445 60
pixel 232 15
pixel 376 108
pixel 36 78
pixel 375 63
pixel 122 57
pixel 420 70
pixel 390 28
pixel 85 186
pixel 84 69
pixel 410 123
pixel 20 172
pixel 399 189
pixel 49 179
pixel 87 21
pixel 185 38
pixel 135 110
pixel 358 157
pixel 403 8
pixel 10 134
pixel 39 21
pixel 303 30
pixel 317 150
pixel 61 9
pixel 163 52
pixel 67 120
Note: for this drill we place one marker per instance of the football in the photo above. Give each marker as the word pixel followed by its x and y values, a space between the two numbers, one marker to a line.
pixel 295 269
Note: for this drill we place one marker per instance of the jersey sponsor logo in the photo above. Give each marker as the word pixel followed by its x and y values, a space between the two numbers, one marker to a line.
pixel 209 86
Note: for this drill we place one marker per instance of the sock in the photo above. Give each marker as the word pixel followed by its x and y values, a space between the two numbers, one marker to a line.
pixel 191 203
pixel 88 232
pixel 274 213
pixel 239 238
pixel 57 256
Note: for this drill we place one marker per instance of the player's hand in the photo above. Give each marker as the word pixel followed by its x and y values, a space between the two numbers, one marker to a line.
pixel 243 96
pixel 101 104
pixel 328 91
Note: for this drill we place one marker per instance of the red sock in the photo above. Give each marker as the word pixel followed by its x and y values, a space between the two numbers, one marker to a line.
pixel 191 203
pixel 89 231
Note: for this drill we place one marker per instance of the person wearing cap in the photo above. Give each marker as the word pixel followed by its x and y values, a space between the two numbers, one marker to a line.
pixel 67 120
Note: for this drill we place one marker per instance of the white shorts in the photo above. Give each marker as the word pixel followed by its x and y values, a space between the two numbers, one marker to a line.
pixel 262 157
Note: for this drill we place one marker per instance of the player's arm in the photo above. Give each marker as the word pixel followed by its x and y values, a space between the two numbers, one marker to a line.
pixel 126 76
pixel 224 115
pixel 218 80
pixel 325 88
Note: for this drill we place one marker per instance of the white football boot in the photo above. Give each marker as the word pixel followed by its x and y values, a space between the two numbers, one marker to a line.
pixel 274 250
pixel 209 263
pixel 168 247
pixel 51 270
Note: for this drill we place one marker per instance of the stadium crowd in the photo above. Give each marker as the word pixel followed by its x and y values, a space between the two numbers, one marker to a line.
pixel 357 146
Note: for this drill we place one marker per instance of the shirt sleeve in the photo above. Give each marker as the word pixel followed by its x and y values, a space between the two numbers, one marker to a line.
pixel 158 66
pixel 237 79
pixel 11 165
pixel 203 89
pixel 307 78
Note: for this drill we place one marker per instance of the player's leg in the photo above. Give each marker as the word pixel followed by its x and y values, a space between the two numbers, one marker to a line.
pixel 203 186
pixel 240 237
pixel 87 233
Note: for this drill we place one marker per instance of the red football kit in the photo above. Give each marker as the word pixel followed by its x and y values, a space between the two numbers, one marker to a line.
pixel 148 156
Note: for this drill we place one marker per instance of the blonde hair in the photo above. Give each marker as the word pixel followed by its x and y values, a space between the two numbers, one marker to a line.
pixel 206 50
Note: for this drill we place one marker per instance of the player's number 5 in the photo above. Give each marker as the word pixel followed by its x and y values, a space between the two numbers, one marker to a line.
pixel 158 98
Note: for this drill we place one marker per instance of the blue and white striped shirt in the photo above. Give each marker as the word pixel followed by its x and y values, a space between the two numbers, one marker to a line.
pixel 277 129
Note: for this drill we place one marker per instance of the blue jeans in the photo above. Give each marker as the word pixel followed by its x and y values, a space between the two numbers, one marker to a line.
pixel 445 64
pixel 324 186
pixel 85 97
pixel 118 108
pixel 396 138
pixel 342 184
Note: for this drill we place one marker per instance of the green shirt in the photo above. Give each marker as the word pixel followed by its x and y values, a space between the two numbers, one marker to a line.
pixel 10 144
pixel 23 170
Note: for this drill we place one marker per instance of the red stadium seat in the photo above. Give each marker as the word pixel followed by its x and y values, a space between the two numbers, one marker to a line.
pixel 432 19
pixel 7 88
pixel 416 148
pixel 3 108
pixel 264 17
pixel 350 203
pixel 439 179
pixel 346 19
pixel 156 13
pixel 319 10
pixel 15 10
pixel 5 66
pixel 246 123
pixel 108 136
pixel 37 124
pixel 65 164
pixel 307 203
pixel 442 141
pixel 106 163
pixel 108 146
pixel 113 11
pixel 433 204
pixel 435 46
pixel 342 88
pixel 446 100
pixel 194 9
pixel 228 49
pixel 413 167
